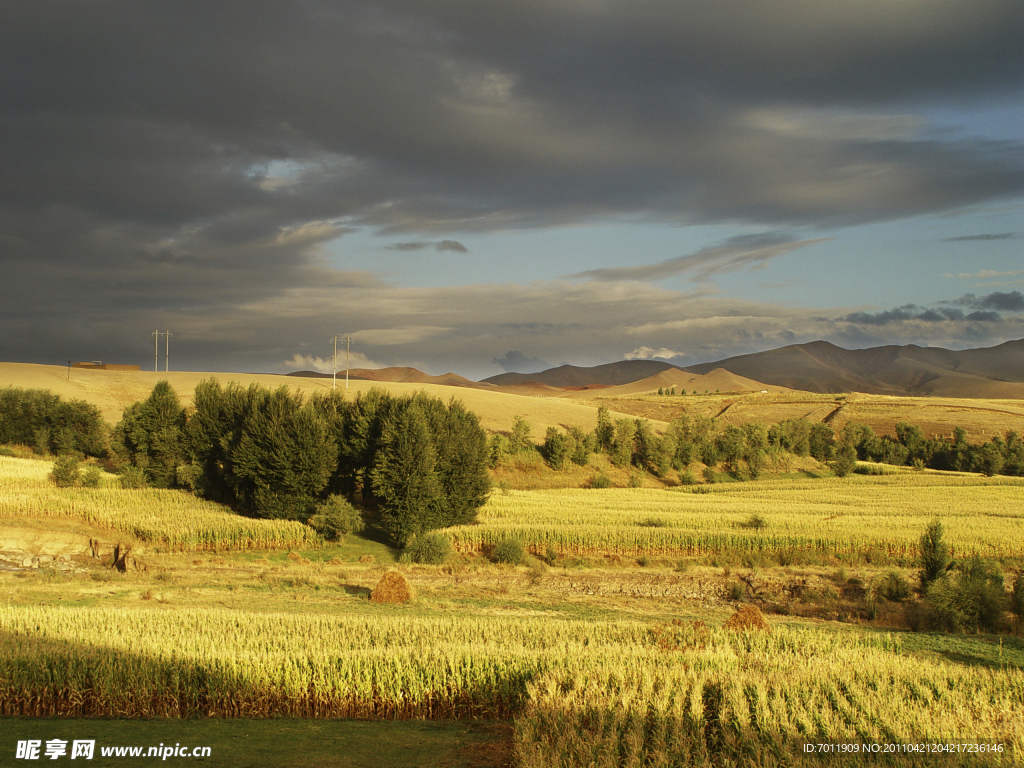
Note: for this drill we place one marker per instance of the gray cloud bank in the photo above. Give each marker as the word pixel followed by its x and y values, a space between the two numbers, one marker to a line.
pixel 743 251
pixel 182 164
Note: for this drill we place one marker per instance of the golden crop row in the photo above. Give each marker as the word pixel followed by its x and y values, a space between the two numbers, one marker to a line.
pixel 169 520
pixel 761 702
pixel 851 515
pixel 582 692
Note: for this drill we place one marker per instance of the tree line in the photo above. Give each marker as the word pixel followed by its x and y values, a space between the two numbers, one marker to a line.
pixel 41 419
pixel 415 461
pixel 748 450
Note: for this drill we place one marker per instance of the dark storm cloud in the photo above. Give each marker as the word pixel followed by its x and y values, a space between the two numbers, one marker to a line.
pixel 912 312
pixel 984 237
pixel 1012 301
pixel 515 361
pixel 160 158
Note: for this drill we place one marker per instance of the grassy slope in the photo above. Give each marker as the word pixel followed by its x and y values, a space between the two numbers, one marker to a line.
pixel 113 391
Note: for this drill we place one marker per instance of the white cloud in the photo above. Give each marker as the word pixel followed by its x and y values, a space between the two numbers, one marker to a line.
pixel 300 362
pixel 647 353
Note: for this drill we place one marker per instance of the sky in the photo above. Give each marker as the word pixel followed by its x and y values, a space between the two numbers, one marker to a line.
pixel 484 187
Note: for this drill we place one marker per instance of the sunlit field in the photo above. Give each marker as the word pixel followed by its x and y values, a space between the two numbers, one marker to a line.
pixel 167 520
pixel 582 693
pixel 847 516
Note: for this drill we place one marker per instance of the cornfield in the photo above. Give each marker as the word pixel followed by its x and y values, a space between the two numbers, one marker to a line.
pixel 582 693
pixel 850 515
pixel 172 521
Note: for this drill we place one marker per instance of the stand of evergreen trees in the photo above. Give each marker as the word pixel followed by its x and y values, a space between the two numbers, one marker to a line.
pixel 417 462
pixel 748 449
pixel 39 418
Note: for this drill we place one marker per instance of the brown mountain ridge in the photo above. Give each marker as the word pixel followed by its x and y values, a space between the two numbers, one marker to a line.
pixel 819 366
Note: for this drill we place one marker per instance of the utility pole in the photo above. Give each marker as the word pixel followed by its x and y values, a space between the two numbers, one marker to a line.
pixel 348 354
pixel 156 351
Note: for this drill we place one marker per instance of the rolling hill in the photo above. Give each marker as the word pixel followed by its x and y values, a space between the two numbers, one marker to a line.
pixel 822 367
pixel 113 391
pixel 994 372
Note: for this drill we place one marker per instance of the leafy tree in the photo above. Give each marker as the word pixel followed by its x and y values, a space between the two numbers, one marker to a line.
pixel 845 460
pixel 622 442
pixel 284 457
pixel 933 553
pixel 404 477
pixel 520 437
pixel 556 449
pixel 460 445
pixel 65 471
pixel 499 450
pixel 39 418
pixel 150 435
pixel 821 441
pixel 582 446
pixel 988 459
pixel 604 433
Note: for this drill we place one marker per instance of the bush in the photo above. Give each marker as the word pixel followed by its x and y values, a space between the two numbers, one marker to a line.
pixel 92 476
pixel 1017 596
pixel 508 551
pixel 687 478
pixel 429 548
pixel 755 522
pixel 600 481
pixel 709 475
pixel 65 471
pixel 893 587
pixel 132 477
pixel 653 522
pixel 970 601
pixel 335 517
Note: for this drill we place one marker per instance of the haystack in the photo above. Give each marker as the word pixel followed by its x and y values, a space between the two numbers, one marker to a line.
pixel 748 617
pixel 392 588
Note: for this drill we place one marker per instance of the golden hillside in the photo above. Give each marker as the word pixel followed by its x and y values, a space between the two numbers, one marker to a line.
pixel 113 391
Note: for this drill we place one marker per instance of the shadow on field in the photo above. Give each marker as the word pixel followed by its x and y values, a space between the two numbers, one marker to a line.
pixel 353 589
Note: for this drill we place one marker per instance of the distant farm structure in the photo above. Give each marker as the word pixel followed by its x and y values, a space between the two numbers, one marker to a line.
pixel 97 365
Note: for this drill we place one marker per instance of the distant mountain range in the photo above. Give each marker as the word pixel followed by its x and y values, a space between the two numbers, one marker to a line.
pixel 818 366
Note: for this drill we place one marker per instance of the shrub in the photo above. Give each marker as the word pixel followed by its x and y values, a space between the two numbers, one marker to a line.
pixel 687 478
pixel 508 551
pixel 1017 596
pixel 335 517
pixel 429 548
pixel 92 476
pixel 970 601
pixel 65 471
pixel 893 587
pixel 755 522
pixel 600 481
pixel 653 522
pixel 933 555
pixel 636 481
pixel 132 477
pixel 709 475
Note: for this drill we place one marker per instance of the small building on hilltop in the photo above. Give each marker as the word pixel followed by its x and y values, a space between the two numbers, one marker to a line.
pixel 97 365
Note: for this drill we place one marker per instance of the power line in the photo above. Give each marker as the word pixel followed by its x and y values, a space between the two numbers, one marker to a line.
pixel 156 350
pixel 348 354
